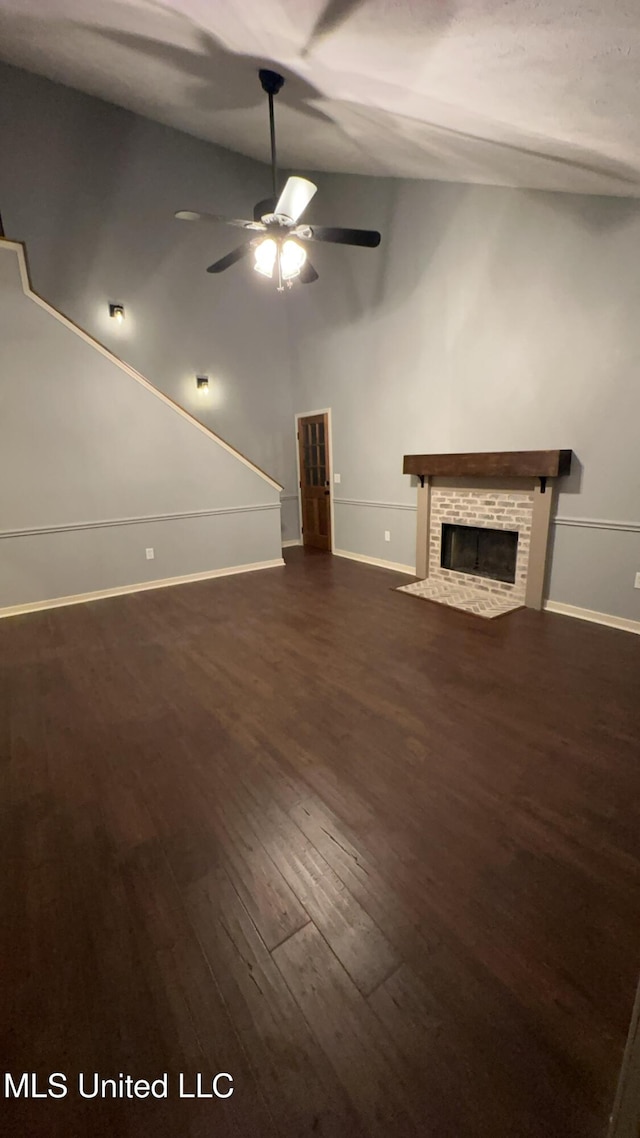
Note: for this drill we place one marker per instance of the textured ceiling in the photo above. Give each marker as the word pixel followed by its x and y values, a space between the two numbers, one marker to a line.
pixel 535 93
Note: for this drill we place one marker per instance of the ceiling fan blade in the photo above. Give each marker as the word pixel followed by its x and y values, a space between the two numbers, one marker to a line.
pixel 369 238
pixel 295 197
pixel 307 273
pixel 230 258
pixel 192 215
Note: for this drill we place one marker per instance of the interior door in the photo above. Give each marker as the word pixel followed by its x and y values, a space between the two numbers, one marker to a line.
pixel 313 448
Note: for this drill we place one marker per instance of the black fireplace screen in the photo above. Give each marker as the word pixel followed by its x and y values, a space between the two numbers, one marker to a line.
pixel 482 552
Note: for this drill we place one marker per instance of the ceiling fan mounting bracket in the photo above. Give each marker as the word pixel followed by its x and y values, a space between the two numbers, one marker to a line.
pixel 271 81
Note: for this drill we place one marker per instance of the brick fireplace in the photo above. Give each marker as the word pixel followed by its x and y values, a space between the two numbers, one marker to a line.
pixel 483 527
pixel 490 510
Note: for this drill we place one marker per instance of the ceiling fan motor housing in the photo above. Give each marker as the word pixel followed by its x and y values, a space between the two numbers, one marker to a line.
pixel 271 81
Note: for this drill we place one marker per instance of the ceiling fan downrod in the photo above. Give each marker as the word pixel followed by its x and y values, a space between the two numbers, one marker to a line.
pixel 272 82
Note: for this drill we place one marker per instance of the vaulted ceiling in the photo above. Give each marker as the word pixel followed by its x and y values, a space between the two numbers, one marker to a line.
pixel 536 93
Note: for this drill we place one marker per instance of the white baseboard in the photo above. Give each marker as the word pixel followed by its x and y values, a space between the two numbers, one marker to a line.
pixel 410 570
pixel 606 618
pixel 292 541
pixel 101 594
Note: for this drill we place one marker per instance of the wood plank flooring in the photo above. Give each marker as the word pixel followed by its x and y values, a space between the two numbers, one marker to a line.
pixel 377 859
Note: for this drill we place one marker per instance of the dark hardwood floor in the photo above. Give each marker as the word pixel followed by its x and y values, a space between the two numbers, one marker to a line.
pixel 377 859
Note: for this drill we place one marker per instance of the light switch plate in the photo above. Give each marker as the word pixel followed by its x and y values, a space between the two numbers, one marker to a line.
pixel 336 478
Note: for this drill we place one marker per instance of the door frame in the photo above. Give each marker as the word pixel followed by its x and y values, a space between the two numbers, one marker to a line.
pixel 303 415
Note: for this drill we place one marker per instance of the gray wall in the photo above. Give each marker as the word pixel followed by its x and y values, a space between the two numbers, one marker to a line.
pixel 92 189
pixel 95 468
pixel 489 319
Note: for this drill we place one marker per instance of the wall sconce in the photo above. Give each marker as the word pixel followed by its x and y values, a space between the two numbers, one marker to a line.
pixel 202 383
pixel 117 312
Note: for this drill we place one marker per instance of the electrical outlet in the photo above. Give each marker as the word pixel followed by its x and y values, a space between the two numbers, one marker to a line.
pixel 336 478
pixel 387 535
pixel 636 583
pixel 149 554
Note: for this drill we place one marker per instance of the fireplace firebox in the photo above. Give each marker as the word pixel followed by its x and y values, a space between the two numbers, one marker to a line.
pixel 481 552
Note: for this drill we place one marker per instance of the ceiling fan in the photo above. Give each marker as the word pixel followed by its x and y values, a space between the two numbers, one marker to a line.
pixel 277 247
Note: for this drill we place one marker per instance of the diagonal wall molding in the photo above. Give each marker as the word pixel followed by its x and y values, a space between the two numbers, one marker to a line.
pixel 20 251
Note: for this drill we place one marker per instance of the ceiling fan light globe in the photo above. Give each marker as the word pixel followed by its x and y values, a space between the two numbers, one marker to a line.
pixel 265 257
pixel 292 258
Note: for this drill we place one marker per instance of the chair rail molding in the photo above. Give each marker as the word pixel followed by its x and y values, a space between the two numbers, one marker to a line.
pixel 598 523
pixel 67 527
pixel 560 520
pixel 376 505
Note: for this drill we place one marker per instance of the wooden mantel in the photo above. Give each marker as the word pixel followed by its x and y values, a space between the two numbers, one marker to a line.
pixel 491 464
